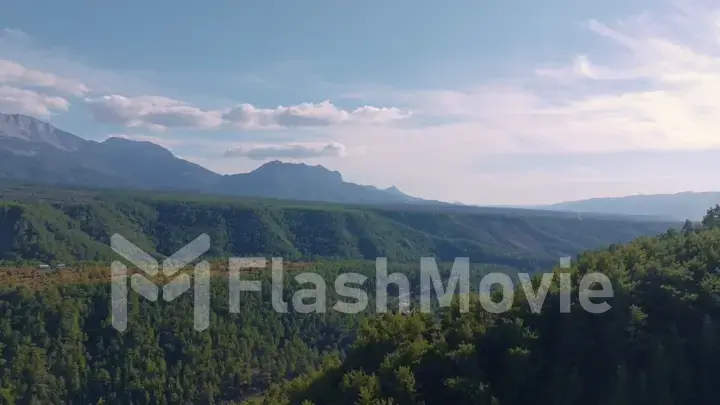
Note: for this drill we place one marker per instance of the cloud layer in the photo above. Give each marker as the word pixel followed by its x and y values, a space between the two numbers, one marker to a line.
pixel 288 151
pixel 15 73
pixel 14 100
pixel 24 91
pixel 654 87
pixel 152 112
pixel 160 113
pixel 36 92
pixel 309 115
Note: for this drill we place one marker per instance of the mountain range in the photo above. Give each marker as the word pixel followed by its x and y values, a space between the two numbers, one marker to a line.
pixel 34 151
pixel 679 206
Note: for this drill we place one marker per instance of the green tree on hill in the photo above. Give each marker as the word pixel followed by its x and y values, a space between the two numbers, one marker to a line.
pixel 658 344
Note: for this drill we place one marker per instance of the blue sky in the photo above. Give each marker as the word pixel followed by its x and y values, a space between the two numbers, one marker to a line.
pixel 514 102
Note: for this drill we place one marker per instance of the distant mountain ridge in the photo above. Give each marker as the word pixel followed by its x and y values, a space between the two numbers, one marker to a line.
pixel 65 225
pixel 680 206
pixel 299 181
pixel 35 151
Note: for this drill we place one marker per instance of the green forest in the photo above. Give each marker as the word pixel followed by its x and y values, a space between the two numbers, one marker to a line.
pixel 658 344
pixel 61 226
pixel 58 347
pixel 57 344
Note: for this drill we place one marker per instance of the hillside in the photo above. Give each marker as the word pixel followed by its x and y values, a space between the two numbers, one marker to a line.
pixel 72 225
pixel 659 343
pixel 679 206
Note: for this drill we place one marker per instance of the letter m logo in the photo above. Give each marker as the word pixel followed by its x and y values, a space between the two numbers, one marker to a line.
pixel 170 266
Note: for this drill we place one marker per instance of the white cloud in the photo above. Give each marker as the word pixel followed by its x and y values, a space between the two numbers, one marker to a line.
pixel 288 151
pixel 14 73
pixel 660 90
pixel 308 115
pixel 582 69
pixel 28 102
pixel 23 49
pixel 152 112
pixel 159 113
pixel 123 98
pixel 655 87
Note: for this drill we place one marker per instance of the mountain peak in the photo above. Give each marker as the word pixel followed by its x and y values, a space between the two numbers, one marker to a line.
pixel 280 163
pixel 298 169
pixel 32 130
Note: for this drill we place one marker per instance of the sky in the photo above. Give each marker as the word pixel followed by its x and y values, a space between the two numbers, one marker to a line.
pixel 481 102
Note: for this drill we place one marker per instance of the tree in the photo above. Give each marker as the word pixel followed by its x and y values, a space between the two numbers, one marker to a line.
pixel 688 227
pixel 712 217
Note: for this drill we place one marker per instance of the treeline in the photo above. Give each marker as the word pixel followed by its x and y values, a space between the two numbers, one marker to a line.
pixel 72 227
pixel 658 344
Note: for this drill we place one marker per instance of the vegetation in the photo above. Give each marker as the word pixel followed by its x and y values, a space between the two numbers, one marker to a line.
pixel 75 225
pixel 658 344
pixel 57 345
